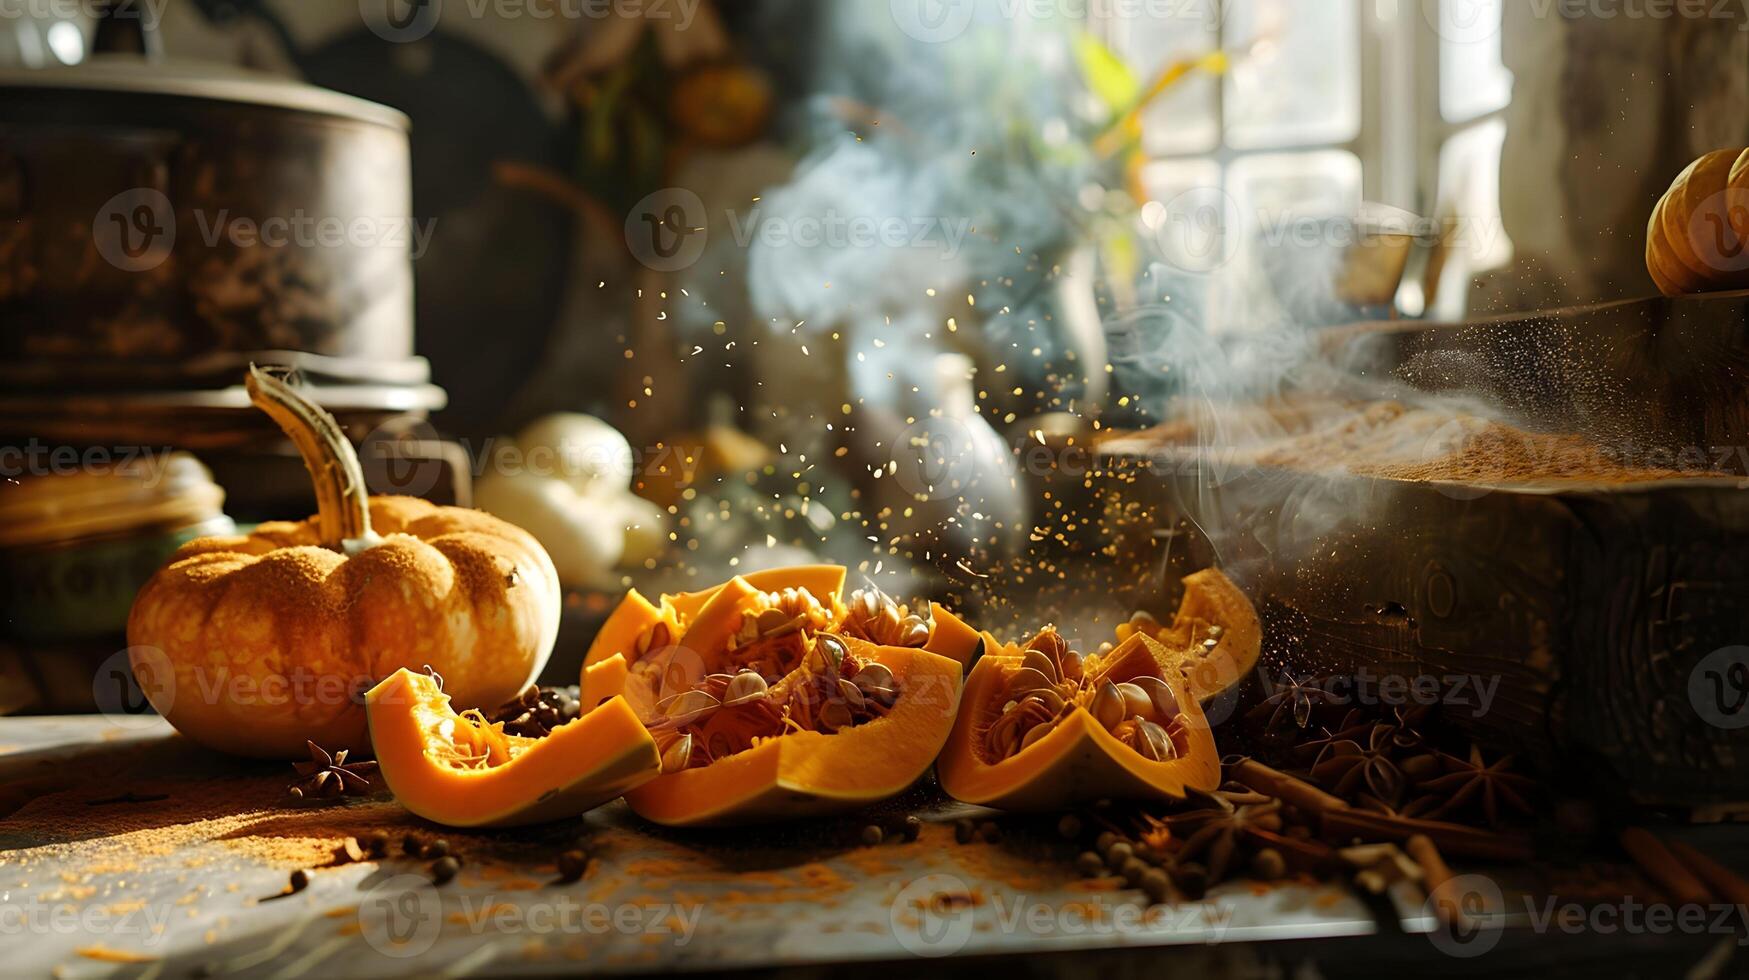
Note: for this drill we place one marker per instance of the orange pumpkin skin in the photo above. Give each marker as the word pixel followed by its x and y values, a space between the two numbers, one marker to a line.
pixel 270 636
pixel 1696 237
pixel 1078 761
pixel 812 774
pixel 580 766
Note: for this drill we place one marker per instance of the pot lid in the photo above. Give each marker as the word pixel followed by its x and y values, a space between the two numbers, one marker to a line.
pixel 210 81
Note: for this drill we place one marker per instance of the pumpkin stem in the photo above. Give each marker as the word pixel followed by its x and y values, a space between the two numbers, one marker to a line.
pixel 342 500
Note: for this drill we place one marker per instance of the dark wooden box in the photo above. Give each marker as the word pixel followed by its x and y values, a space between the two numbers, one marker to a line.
pixel 1613 618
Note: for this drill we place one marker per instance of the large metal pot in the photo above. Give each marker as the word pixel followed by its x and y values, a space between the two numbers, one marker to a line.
pixel 162 225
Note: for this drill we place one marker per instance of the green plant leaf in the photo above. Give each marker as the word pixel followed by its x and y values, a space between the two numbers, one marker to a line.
pixel 1109 79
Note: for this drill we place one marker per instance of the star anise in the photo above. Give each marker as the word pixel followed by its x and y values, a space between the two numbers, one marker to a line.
pixel 1355 727
pixel 1347 767
pixel 1296 700
pixel 326 775
pixel 1473 785
pixel 1215 834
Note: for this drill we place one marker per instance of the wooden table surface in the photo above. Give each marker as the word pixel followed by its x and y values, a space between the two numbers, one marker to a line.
pixel 125 851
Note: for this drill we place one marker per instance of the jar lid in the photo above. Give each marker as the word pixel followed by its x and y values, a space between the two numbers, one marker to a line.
pixel 202 80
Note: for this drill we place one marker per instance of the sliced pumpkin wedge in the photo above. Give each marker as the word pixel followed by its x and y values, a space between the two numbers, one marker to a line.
pixel 1213 641
pixel 705 622
pixel 811 772
pixel 459 771
pixel 1044 728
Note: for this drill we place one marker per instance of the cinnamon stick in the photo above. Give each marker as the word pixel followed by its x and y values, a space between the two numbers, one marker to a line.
pixel 1294 792
pixel 1722 880
pixel 1657 863
pixel 1434 874
pixel 1343 826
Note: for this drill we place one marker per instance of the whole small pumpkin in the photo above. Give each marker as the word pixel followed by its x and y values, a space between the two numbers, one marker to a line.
pixel 1697 240
pixel 253 644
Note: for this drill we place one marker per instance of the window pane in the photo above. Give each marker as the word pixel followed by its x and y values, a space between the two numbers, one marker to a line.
pixel 1469 189
pixel 1296 72
pixel 1187 214
pixel 1272 186
pixel 1152 36
pixel 1473 79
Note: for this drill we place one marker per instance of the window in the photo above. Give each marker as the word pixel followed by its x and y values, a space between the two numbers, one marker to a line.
pixel 1326 104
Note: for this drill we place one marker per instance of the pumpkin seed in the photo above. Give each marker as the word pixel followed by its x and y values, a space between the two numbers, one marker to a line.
pixel 876 682
pixel 1028 679
pixel 1108 706
pixel 744 687
pixel 851 694
pixel 1153 742
pixel 1135 700
pixel 1160 694
pixel 687 706
pixel 1042 663
pixel 678 754
pixel 1071 666
pixel 1037 732
pixel 835 715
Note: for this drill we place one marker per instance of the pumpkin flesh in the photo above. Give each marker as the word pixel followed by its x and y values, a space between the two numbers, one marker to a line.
pixel 812 773
pixel 457 771
pixel 774 636
pixel 1078 760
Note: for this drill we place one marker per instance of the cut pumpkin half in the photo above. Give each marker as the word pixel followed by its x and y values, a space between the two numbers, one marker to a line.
pixel 772 696
pixel 1045 728
pixel 811 772
pixel 460 771
pixel 1213 641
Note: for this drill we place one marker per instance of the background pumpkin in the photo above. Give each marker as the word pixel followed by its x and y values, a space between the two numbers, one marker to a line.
pixel 1696 236
pixel 251 644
